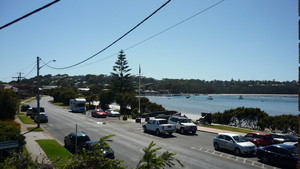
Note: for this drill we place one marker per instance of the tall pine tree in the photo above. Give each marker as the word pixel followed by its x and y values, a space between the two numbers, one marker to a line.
pixel 121 78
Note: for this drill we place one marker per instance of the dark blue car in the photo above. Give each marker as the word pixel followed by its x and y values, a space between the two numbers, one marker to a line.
pixel 281 154
pixel 103 148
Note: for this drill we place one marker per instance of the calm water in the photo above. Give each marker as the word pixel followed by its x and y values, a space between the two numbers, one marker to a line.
pixel 271 104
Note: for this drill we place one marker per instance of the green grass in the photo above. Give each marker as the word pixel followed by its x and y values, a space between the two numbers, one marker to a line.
pixel 34 129
pixel 59 104
pixel 229 128
pixel 53 149
pixel 26 119
pixel 27 100
pixel 20 114
pixel 25 151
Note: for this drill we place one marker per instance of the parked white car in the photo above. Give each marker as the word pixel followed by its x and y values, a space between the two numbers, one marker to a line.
pixel 112 113
pixel 183 124
pixel 159 126
pixel 233 142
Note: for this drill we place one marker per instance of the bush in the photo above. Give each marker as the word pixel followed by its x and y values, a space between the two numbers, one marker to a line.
pixel 10 130
pixel 8 104
pixel 64 95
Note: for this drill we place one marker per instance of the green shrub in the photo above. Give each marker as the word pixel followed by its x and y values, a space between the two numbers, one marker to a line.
pixel 8 104
pixel 10 130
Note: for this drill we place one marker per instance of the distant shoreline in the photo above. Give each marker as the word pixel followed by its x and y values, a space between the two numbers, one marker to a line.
pixel 186 94
pixel 257 94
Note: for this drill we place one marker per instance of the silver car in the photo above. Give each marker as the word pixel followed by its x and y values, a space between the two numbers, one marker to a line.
pixel 233 142
pixel 112 113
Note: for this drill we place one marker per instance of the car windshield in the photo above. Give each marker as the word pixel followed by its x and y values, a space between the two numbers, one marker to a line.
pixel 293 151
pixel 185 120
pixel 240 139
pixel 291 137
pixel 163 122
pixel 80 105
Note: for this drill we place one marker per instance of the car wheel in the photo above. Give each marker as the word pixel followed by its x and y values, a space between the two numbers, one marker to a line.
pixel 157 132
pixel 237 151
pixel 145 129
pixel 264 159
pixel 182 130
pixel 216 146
pixel 193 132
pixel 170 133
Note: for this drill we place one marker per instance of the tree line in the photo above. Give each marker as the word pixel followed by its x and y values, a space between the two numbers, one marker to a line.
pixel 255 118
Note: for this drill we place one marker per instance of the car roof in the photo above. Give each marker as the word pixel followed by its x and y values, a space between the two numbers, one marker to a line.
pixel 179 117
pixel 286 146
pixel 98 110
pixel 79 134
pixel 229 134
pixel 290 143
pixel 258 133
pixel 159 119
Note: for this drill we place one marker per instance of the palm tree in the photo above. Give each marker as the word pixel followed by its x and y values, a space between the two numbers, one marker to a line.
pixel 150 159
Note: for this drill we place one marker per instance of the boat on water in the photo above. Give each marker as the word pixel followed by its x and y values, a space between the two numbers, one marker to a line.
pixel 241 97
pixel 210 98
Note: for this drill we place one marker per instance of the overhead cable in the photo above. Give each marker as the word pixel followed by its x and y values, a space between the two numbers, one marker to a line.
pixel 30 71
pixel 165 30
pixel 115 40
pixel 21 70
pixel 25 16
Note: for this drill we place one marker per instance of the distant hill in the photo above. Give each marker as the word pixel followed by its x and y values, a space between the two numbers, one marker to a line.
pixel 165 86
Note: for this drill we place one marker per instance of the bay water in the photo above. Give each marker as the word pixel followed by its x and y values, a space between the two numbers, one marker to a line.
pixel 193 105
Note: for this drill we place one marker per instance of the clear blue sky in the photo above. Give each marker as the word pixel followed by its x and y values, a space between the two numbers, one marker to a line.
pixel 237 39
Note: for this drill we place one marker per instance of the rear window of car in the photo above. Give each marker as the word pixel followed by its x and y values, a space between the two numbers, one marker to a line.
pixel 163 122
pixel 240 139
pixel 185 121
pixel 221 136
pixel 41 109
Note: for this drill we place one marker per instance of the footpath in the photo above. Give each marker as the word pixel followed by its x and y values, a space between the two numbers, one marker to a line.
pixel 37 153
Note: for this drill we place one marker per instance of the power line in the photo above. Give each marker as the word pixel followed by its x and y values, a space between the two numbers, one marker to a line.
pixel 30 71
pixel 165 30
pixel 25 16
pixel 115 40
pixel 179 23
pixel 19 71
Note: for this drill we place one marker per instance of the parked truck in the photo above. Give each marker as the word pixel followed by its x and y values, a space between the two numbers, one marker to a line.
pixel 78 105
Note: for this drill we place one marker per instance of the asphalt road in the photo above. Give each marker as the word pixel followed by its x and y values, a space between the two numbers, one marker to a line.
pixel 195 151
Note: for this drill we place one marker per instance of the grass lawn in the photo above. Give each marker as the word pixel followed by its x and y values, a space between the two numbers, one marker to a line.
pixel 59 104
pixel 26 119
pixel 20 114
pixel 34 129
pixel 229 128
pixel 53 149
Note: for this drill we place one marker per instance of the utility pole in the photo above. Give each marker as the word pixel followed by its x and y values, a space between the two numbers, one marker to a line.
pixel 38 92
pixel 19 91
pixel 139 112
pixel 19 81
pixel 139 89
pixel 38 98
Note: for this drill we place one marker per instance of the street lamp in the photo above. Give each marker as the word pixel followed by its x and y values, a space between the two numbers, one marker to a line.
pixel 38 89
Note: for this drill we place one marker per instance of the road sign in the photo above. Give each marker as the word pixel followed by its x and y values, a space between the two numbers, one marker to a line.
pixel 9 144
